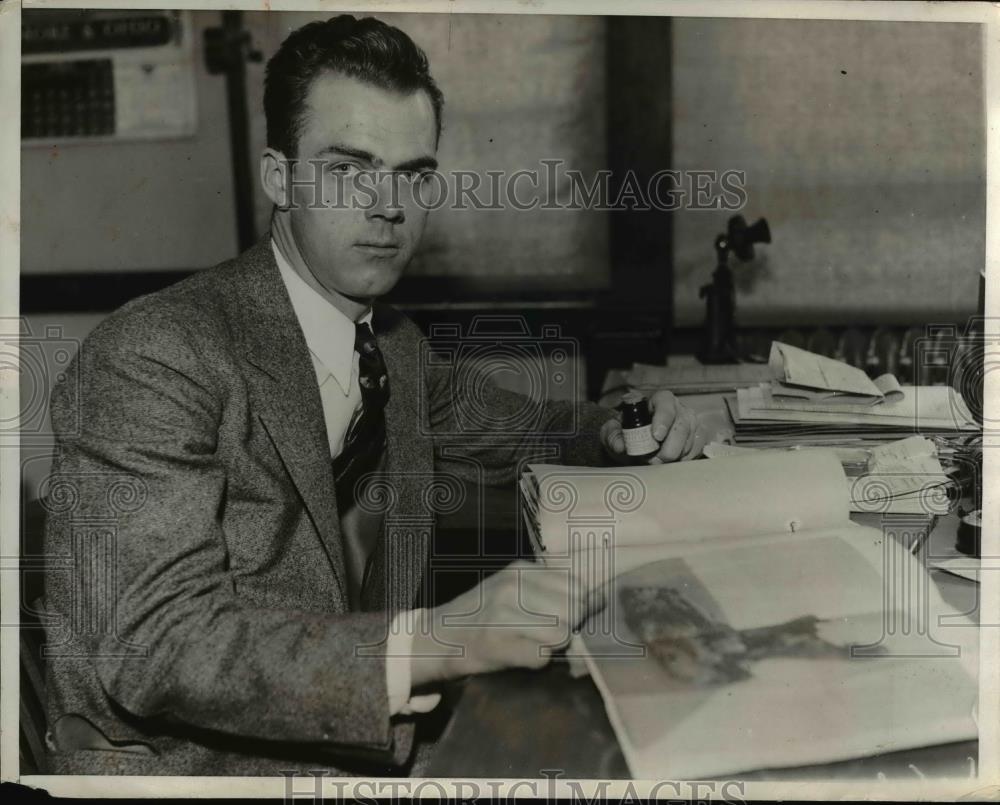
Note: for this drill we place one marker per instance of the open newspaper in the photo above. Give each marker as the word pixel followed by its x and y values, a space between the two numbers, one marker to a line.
pixel 749 623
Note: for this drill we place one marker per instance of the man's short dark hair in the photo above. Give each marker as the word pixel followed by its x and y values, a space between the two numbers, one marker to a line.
pixel 366 49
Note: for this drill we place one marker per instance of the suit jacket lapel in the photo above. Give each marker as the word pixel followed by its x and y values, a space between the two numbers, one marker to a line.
pixel 284 390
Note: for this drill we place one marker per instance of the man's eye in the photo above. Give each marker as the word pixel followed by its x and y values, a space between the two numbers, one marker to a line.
pixel 344 168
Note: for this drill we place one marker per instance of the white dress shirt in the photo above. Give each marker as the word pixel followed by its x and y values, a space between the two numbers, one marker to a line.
pixel 330 337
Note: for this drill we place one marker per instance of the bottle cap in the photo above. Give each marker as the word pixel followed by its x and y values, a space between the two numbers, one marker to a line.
pixel 635 411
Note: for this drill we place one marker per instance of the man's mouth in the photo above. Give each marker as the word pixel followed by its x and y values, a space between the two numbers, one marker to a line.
pixel 383 248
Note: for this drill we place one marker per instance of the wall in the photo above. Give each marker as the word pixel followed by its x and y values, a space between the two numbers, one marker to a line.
pixel 517 89
pixel 863 146
pixel 134 205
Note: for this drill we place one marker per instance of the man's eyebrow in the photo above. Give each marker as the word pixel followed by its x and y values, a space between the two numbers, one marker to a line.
pixel 419 163
pixel 347 151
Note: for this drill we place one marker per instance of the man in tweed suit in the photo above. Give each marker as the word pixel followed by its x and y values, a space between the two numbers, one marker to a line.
pixel 229 610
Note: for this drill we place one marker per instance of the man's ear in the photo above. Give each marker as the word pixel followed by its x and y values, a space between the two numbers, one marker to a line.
pixel 274 177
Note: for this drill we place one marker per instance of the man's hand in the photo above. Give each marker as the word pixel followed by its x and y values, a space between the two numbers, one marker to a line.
pixel 515 619
pixel 675 426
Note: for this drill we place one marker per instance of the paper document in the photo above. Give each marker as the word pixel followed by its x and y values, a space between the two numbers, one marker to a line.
pixel 801 373
pixel 888 386
pixel 855 458
pixel 900 494
pixel 966 567
pixel 738 677
pixel 749 623
pixel 903 477
pixel 896 454
pixel 719 449
pixel 691 501
pixel 938 407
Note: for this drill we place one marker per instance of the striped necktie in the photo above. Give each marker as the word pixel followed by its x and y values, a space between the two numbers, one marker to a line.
pixel 363 448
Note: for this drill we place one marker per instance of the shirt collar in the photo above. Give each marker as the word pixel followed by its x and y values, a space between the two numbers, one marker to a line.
pixel 329 333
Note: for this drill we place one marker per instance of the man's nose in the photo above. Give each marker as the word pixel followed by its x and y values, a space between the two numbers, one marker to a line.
pixel 386 197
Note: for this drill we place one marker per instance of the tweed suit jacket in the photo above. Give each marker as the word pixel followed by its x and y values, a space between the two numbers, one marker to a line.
pixel 202 609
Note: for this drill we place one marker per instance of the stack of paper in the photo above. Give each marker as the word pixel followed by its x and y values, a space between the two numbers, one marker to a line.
pixel 761 418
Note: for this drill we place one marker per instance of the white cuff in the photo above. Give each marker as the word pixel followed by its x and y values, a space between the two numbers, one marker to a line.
pixel 398 648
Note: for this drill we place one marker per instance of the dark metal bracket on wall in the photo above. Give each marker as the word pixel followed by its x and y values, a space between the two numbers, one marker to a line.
pixel 227 50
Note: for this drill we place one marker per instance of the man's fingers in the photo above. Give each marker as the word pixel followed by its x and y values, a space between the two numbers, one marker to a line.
pixel 663 404
pixel 673 446
pixel 517 618
pixel 546 590
pixel 698 444
pixel 612 437
pixel 696 439
pixel 692 435
pixel 544 577
pixel 557 595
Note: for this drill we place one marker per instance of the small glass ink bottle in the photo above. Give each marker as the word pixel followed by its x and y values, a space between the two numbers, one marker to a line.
pixel 637 427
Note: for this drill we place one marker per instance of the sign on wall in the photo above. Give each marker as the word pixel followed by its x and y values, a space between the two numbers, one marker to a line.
pixel 106 75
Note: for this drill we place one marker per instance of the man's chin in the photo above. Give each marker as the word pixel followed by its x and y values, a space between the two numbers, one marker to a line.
pixel 379 284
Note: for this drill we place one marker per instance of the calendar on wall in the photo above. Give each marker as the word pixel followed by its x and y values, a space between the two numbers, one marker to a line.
pixel 106 75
